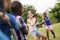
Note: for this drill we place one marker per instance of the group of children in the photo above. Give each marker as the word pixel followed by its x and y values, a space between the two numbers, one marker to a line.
pixel 15 21
pixel 12 21
pixel 32 24
pixel 31 21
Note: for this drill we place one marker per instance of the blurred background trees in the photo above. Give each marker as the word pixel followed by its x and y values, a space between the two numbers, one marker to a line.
pixel 55 13
pixel 26 8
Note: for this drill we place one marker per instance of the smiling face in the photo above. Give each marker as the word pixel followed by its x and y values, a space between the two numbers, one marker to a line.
pixel 30 14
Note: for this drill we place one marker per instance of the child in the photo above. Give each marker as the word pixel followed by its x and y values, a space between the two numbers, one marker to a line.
pixel 48 25
pixel 31 22
pixel 16 8
pixel 4 26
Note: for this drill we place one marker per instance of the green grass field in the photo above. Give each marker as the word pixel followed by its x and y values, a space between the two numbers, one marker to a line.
pixel 56 28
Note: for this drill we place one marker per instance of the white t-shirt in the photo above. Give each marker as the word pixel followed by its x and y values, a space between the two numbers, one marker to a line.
pixel 31 24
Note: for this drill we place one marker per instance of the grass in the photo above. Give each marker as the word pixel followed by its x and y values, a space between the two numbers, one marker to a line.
pixel 56 28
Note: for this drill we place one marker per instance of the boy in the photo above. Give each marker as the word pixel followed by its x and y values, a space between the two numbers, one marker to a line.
pixel 16 8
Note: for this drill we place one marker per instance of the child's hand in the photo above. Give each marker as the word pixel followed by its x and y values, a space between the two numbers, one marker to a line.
pixel 5 19
pixel 32 25
pixel 1 15
pixel 43 21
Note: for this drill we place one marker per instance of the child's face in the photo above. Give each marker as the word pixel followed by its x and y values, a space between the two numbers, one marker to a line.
pixel 30 15
pixel 44 14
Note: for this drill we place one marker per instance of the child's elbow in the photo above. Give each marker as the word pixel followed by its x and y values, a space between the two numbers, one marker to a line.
pixel 25 32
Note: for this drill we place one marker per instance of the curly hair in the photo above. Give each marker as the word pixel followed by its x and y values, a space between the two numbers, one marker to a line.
pixel 16 7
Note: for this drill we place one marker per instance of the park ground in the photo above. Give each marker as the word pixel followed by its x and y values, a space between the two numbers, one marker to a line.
pixel 56 28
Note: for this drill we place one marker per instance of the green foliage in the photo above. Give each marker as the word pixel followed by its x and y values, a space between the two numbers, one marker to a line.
pixel 26 8
pixel 39 17
pixel 55 13
pixel 8 10
pixel 56 28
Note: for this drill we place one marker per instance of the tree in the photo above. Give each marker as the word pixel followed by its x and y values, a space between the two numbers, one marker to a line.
pixel 26 8
pixel 39 17
pixel 55 12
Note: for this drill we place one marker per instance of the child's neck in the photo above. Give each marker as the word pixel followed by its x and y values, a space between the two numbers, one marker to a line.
pixel 45 16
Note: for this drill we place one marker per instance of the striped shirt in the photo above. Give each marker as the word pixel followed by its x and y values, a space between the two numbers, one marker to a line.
pixel 21 24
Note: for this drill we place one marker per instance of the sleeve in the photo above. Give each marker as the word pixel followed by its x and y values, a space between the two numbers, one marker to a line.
pixel 14 23
pixel 22 23
pixel 47 18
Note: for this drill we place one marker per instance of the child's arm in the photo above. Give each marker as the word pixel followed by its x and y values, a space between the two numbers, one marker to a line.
pixel 43 20
pixel 32 23
pixel 48 18
pixel 23 28
pixel 1 14
pixel 28 23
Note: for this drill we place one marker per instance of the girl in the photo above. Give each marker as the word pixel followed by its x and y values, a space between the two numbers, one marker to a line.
pixel 48 25
pixel 31 22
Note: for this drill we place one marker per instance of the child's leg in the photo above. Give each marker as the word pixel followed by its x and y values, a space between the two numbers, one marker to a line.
pixel 38 37
pixel 51 30
pixel 53 33
pixel 47 32
pixel 33 33
pixel 44 37
pixel 34 37
pixel 39 34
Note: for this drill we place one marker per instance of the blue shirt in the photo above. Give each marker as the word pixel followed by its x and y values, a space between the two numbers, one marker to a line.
pixel 47 21
pixel 5 29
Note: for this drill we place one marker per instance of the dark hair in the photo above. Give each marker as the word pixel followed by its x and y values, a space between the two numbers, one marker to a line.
pixel 44 13
pixel 1 4
pixel 35 15
pixel 16 7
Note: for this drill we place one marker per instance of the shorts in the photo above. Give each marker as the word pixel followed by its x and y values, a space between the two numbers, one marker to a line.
pixel 49 27
pixel 35 32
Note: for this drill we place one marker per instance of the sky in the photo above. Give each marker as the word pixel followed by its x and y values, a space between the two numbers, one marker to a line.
pixel 40 5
